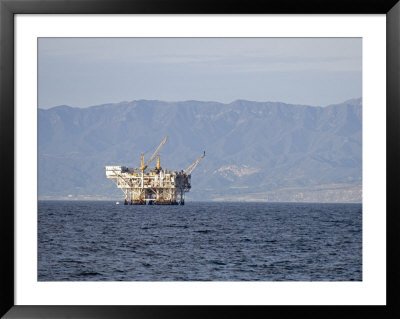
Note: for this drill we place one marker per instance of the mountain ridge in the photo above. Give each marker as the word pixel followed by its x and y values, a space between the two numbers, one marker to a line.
pixel 356 101
pixel 260 147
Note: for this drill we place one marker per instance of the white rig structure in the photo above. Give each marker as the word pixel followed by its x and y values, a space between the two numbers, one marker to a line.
pixel 156 186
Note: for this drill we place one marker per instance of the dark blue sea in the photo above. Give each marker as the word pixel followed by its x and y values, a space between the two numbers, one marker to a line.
pixel 102 241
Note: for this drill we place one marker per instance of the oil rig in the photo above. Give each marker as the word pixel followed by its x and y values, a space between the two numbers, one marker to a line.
pixel 155 186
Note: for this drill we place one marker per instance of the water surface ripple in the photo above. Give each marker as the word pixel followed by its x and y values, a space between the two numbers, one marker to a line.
pixel 102 241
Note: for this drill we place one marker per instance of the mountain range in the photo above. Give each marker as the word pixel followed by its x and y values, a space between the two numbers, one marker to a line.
pixel 255 151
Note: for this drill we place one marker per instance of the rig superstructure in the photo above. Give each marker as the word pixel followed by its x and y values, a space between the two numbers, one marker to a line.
pixel 155 186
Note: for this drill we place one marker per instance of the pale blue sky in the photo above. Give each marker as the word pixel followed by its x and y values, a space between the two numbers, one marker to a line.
pixel 82 72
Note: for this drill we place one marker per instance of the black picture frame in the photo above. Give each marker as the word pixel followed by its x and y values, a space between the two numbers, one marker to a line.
pixel 8 8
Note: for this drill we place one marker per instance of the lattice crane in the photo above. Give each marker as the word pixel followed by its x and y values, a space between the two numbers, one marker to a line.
pixel 143 167
pixel 190 169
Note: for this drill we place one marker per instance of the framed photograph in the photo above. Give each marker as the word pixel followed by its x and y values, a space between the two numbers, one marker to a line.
pixel 174 159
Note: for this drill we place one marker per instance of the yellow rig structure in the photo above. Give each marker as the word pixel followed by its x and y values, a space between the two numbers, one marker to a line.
pixel 156 186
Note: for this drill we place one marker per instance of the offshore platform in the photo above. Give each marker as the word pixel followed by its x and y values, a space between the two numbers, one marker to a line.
pixel 156 186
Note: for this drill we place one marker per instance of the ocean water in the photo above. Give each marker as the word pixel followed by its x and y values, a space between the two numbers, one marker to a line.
pixel 102 241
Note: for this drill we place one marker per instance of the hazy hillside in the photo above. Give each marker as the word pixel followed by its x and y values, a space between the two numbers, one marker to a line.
pixel 254 151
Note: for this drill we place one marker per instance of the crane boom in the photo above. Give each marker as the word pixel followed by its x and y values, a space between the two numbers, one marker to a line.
pixel 190 169
pixel 143 167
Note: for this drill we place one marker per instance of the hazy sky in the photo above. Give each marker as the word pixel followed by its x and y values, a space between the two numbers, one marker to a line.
pixel 83 72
